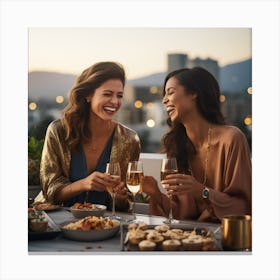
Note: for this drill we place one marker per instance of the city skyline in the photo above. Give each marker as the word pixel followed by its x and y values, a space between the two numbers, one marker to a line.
pixel 71 50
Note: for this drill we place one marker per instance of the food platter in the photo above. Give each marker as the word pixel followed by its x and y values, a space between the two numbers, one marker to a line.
pixel 177 237
pixel 45 206
pixel 89 235
pixel 52 231
pixel 98 210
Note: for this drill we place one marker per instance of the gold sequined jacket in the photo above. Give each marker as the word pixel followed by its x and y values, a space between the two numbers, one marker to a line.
pixel 56 157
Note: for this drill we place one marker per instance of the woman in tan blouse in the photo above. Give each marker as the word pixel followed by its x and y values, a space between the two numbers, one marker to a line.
pixel 214 177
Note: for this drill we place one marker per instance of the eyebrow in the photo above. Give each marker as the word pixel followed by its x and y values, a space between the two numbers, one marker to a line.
pixel 110 91
pixel 170 88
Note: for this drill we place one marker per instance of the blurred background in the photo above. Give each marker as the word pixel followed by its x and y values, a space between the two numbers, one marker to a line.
pixel 58 55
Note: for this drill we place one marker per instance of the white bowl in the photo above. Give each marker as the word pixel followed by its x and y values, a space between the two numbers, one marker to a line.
pixel 89 235
pixel 98 211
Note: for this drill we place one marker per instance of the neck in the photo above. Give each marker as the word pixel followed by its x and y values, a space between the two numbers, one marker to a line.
pixel 198 132
pixel 99 126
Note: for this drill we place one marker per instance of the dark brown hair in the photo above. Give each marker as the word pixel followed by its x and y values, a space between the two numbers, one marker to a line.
pixel 76 113
pixel 195 80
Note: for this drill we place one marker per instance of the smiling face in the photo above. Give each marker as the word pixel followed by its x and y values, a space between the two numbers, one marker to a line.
pixel 107 99
pixel 178 104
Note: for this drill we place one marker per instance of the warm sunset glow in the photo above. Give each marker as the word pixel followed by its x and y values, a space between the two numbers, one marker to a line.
pixel 134 58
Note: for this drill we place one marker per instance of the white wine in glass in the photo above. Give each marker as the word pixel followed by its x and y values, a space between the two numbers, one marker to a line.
pixel 114 170
pixel 133 178
pixel 168 167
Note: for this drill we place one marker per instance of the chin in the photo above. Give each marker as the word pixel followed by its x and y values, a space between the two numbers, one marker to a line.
pixel 174 118
pixel 105 117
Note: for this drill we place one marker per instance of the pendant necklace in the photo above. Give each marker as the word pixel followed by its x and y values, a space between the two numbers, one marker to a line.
pixel 206 158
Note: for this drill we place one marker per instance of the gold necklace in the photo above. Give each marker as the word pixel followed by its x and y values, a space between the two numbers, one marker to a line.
pixel 206 158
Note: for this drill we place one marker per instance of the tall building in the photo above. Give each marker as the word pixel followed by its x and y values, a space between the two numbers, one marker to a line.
pixel 179 60
pixel 209 64
pixel 176 61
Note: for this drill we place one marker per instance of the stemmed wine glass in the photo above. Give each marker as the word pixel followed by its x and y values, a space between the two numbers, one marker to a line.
pixel 168 166
pixel 114 170
pixel 133 177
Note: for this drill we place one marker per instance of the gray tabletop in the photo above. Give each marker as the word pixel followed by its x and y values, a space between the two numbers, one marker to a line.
pixel 113 245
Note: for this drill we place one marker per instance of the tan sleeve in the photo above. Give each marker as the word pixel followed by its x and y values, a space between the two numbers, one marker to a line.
pixel 235 198
pixel 183 207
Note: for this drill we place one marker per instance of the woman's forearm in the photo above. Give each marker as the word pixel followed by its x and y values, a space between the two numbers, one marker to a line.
pixel 69 191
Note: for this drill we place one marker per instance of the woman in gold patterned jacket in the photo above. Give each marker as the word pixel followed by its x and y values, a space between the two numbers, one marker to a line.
pixel 78 147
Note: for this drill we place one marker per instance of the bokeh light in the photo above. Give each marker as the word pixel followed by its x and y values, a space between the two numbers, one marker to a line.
pixel 153 90
pixel 249 90
pixel 59 99
pixel 32 106
pixel 222 98
pixel 248 120
pixel 150 123
pixel 138 104
pixel 150 105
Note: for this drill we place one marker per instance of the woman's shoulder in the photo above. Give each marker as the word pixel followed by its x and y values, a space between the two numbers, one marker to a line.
pixel 230 133
pixel 126 130
pixel 56 127
pixel 127 134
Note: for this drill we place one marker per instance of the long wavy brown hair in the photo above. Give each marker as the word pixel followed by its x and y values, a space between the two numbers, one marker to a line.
pixel 76 113
pixel 176 142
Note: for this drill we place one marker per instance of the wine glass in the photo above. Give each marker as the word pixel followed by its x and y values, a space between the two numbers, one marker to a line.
pixel 114 170
pixel 168 166
pixel 133 177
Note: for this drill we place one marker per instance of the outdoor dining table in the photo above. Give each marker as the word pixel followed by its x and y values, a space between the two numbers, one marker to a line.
pixel 114 245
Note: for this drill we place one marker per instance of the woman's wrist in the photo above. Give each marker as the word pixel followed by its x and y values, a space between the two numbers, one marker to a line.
pixel 197 192
pixel 84 185
pixel 70 189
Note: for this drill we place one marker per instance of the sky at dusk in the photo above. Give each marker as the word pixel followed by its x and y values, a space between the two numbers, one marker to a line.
pixel 142 51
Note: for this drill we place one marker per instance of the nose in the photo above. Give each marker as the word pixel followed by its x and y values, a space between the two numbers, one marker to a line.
pixel 114 99
pixel 164 99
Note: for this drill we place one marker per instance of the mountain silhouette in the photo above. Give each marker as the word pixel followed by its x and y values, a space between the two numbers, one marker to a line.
pixel 234 77
pixel 48 85
pixel 148 81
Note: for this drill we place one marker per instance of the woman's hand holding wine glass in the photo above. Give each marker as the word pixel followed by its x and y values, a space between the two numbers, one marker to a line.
pixel 133 178
pixel 169 166
pixel 114 170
